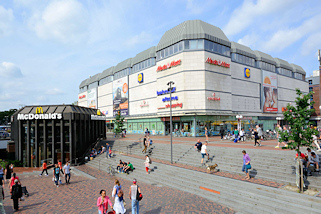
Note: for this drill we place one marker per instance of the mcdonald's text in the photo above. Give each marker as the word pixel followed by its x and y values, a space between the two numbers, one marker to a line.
pixel 49 116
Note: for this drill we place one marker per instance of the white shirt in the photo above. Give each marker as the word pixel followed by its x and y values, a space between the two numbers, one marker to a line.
pixel 241 133
pixel 203 149
pixel 67 169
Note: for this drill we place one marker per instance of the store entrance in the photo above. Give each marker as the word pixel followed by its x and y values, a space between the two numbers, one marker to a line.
pixel 176 126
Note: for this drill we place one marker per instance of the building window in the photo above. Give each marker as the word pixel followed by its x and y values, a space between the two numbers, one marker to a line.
pixel 106 80
pixel 243 59
pixel 122 73
pixel 310 89
pixel 299 76
pixel 267 66
pixel 143 65
pixel 93 85
pixel 169 51
pixel 310 82
pixel 285 72
pixel 217 48
pixel 83 89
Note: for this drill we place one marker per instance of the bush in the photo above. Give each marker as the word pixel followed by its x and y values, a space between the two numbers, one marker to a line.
pixel 16 163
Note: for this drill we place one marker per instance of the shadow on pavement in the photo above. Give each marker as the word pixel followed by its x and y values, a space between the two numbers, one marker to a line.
pixel 157 210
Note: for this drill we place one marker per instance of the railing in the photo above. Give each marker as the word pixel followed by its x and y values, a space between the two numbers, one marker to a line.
pixel 49 161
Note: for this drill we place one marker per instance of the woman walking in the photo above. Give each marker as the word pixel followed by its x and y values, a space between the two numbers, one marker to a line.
pixel 119 201
pixel 8 172
pixel 206 133
pixel 256 137
pixel 147 162
pixel 246 164
pixel 12 179
pixel 1 173
pixel 102 202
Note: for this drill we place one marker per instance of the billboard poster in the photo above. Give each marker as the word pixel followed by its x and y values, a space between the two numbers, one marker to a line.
pixel 120 96
pixel 270 92
pixel 92 98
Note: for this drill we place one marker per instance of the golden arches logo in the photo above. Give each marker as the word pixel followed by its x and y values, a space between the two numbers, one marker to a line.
pixel 39 110
pixel 98 112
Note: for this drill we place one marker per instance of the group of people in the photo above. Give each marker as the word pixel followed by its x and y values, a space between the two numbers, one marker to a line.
pixel 58 170
pixel 310 160
pixel 203 149
pixel 147 142
pixel 135 195
pixel 14 186
pixel 124 167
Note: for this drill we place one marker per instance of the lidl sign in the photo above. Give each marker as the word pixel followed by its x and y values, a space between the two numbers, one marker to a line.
pixel 247 72
pixel 140 77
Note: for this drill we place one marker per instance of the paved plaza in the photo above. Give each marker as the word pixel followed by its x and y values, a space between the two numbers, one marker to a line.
pixel 82 193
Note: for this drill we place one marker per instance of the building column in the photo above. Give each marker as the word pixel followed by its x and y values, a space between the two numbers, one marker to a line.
pixel 37 143
pixel 28 144
pixel 62 156
pixel 45 140
pixel 71 138
pixel 53 153
pixel 194 126
pixel 20 141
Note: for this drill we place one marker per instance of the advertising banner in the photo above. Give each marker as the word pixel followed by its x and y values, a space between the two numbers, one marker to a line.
pixel 270 92
pixel 120 96
pixel 92 98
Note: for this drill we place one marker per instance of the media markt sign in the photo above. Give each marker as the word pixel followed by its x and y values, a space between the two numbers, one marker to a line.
pixel 169 65
pixel 39 115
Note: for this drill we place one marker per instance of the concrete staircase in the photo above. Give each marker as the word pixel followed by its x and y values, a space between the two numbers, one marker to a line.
pixel 243 197
pixel 271 165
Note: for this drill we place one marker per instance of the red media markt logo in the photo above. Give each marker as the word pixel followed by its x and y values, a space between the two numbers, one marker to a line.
pixel 217 62
pixel 169 65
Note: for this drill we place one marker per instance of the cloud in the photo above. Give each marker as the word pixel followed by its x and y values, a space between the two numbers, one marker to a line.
pixel 62 20
pixel 243 17
pixel 141 38
pixel 286 37
pixel 311 44
pixel 6 19
pixel 194 7
pixel 54 91
pixel 249 40
pixel 8 69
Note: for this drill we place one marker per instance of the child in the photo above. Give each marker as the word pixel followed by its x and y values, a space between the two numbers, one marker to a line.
pixel 110 152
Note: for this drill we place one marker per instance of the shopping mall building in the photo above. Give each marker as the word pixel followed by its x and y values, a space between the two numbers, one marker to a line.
pixel 215 81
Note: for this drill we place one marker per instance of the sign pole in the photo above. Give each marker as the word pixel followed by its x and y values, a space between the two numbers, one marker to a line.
pixel 170 113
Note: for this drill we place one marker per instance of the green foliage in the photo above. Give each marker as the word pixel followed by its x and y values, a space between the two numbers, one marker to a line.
pixel 298 117
pixel 5 116
pixel 119 123
pixel 16 163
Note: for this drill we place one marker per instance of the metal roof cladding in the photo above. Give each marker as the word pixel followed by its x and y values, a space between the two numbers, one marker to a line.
pixel 298 69
pixel 93 79
pixel 146 54
pixel 122 65
pixel 193 29
pixel 280 63
pixel 241 49
pixel 107 72
pixel 264 57
pixel 83 83
pixel 57 109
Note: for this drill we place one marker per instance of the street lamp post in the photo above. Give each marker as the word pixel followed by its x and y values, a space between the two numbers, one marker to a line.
pixel 239 117
pixel 170 117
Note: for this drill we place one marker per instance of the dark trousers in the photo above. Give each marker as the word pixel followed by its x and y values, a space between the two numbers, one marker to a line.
pixel 255 142
pixel 57 179
pixel 16 204
pixel 222 136
pixel 242 138
pixel 44 171
pixel 67 177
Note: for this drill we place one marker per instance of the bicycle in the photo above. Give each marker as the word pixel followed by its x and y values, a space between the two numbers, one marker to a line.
pixel 111 170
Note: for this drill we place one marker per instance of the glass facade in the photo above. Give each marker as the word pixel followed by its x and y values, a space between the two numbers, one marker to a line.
pixel 266 66
pixel 243 59
pixel 93 85
pixel 143 65
pixel 169 51
pixel 299 76
pixel 217 48
pixel 106 80
pixel 83 89
pixel 122 73
pixel 285 72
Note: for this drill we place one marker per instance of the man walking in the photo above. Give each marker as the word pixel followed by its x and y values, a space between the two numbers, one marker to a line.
pixel 56 173
pixel 16 191
pixel 204 152
pixel 132 196
pixel 44 168
pixel 107 149
pixel 259 133
pixel 67 172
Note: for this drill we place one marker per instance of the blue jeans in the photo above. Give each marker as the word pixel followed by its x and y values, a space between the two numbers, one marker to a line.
pixel 244 168
pixel 57 178
pixel 135 206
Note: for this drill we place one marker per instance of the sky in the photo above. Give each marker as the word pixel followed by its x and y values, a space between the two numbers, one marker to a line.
pixel 47 47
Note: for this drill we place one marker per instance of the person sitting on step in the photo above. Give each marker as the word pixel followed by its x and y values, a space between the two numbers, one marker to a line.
pixel 129 168
pixel 314 161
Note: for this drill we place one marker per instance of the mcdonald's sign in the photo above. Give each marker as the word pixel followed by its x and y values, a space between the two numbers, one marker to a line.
pixel 39 110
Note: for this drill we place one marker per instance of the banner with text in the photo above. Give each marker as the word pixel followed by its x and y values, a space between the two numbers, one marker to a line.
pixel 120 96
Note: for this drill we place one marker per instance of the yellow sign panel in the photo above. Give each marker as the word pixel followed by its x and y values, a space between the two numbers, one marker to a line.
pixel 140 78
pixel 247 72
pixel 98 112
pixel 39 110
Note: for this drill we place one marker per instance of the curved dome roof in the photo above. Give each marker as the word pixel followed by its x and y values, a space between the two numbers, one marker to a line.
pixel 193 29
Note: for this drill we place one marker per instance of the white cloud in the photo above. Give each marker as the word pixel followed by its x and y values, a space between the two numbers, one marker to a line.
pixel 286 37
pixel 141 38
pixel 54 91
pixel 243 17
pixel 6 19
pixel 63 20
pixel 8 69
pixel 249 40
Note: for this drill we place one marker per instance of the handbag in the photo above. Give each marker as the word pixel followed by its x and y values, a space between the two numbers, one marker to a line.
pixel 139 196
pixel 248 166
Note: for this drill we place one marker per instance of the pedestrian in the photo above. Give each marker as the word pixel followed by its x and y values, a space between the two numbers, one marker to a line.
pixel 125 131
pixel 279 130
pixel 102 202
pixel 119 198
pixel 236 135
pixel 222 133
pixel 246 164
pixel 206 133
pixel 16 193
pixel 148 142
pixel 260 133
pixel 132 196
pixel 56 173
pixel 110 152
pixel 256 137
pixel 12 179
pixel 67 172
pixel 2 198
pixel 242 135
pixel 2 171
pixel 107 149
pixel 44 168
pixel 7 172
pixel 204 152
pixel 145 145
pixel 147 162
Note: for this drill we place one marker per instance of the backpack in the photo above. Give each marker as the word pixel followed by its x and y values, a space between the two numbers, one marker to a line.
pixel 16 191
pixel 139 196
pixel 120 195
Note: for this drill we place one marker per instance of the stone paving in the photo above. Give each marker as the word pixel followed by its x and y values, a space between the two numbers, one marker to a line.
pixel 82 193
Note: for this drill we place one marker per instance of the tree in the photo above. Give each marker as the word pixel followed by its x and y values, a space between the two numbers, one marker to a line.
pixel 119 124
pixel 298 117
pixel 5 116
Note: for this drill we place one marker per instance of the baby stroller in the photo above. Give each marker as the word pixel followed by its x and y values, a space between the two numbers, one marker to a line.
pixel 25 191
